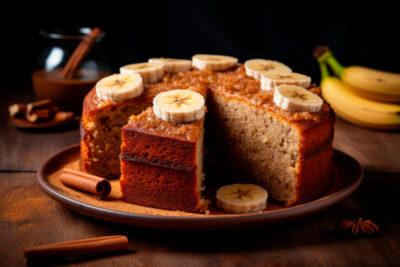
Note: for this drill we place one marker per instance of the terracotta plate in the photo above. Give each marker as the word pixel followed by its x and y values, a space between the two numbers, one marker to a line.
pixel 347 176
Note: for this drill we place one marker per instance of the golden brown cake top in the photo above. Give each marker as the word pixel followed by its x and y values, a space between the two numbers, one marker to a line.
pixel 195 80
pixel 233 83
pixel 149 123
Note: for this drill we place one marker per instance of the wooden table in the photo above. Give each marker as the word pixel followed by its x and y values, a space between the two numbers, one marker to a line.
pixel 28 217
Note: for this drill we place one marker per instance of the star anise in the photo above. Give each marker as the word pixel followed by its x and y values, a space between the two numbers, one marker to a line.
pixel 360 226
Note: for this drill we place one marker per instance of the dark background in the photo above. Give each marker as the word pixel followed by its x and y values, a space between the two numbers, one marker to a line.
pixel 288 31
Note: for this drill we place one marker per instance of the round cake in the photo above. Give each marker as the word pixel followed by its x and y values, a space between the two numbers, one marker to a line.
pixel 289 153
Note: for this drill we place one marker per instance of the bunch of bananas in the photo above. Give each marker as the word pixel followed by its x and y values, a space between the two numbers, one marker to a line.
pixel 360 95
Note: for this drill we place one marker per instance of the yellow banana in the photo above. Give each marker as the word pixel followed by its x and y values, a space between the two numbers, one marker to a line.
pixel 374 84
pixel 370 83
pixel 356 109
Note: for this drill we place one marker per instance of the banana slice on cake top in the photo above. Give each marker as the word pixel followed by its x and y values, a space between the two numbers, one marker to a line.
pixel 118 87
pixel 180 105
pixel 213 62
pixel 173 65
pixel 256 67
pixel 242 198
pixel 271 81
pixel 295 99
pixel 151 72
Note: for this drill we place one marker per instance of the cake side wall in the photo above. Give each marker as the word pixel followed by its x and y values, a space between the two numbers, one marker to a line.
pixel 157 150
pixel 158 187
pixel 161 172
pixel 101 134
pixel 315 176
pixel 315 161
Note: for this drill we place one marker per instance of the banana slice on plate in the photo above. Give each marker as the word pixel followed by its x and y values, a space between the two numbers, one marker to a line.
pixel 242 198
pixel 295 98
pixel 173 65
pixel 256 67
pixel 118 87
pixel 270 81
pixel 213 62
pixel 180 105
pixel 150 72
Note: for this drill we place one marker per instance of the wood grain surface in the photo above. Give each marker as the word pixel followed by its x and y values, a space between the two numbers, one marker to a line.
pixel 377 151
pixel 28 217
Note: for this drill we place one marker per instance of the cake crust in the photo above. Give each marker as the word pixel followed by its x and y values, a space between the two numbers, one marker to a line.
pixel 102 121
pixel 315 164
pixel 158 187
pixel 151 140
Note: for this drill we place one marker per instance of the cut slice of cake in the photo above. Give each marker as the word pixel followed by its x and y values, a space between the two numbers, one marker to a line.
pixel 102 121
pixel 106 108
pixel 162 163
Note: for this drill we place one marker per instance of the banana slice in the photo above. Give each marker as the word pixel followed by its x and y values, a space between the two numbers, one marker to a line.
pixel 270 81
pixel 242 198
pixel 295 98
pixel 180 105
pixel 213 62
pixel 118 87
pixel 256 67
pixel 173 65
pixel 150 72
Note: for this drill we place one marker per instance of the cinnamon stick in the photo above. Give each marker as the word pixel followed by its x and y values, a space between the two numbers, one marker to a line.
pixel 40 110
pixel 41 104
pixel 86 182
pixel 77 248
pixel 39 115
pixel 80 53
pixel 17 110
